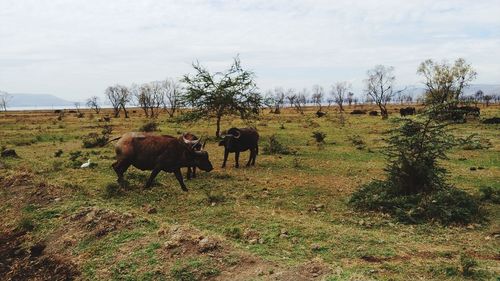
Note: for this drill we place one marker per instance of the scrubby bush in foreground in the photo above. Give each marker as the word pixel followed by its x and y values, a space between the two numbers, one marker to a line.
pixel 274 146
pixel 416 190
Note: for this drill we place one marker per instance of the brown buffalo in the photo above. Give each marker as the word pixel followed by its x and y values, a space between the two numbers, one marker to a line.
pixel 156 153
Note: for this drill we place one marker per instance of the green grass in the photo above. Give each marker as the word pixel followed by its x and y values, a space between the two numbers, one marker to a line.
pixel 280 192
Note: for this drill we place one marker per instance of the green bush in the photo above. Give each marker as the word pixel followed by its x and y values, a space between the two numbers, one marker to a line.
pixel 319 136
pixel 112 190
pixel 150 126
pixel 488 193
pixel 357 141
pixel 97 140
pixel 447 206
pixel 276 147
pixel 415 190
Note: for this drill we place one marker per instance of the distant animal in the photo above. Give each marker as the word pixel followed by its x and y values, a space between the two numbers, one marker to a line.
pixel 320 113
pixel 193 140
pixel 86 164
pixel 494 120
pixel 358 111
pixel 407 111
pixel 238 140
pixel 157 153
pixel 373 113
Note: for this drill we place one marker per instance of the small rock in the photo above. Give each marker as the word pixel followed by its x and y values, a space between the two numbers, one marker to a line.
pixel 252 241
pixel 315 247
pixel 207 244
pixel 213 204
pixel 171 244
pixel 57 199
pixel 470 226
pixel 315 274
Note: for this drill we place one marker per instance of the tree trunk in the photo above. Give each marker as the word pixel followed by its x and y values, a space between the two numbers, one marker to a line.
pixel 217 133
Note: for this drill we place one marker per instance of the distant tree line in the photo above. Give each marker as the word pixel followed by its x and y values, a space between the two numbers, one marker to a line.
pixel 234 92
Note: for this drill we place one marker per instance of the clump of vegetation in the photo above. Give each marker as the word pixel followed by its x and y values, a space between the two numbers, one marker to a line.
pixel 274 146
pixel 194 269
pixel 111 190
pixel 488 193
pixel 58 153
pixel 213 196
pixel 474 142
pixel 234 232
pixel 319 137
pixel 468 265
pixel 150 126
pixel 96 139
pixel 415 190
pixel 57 165
pixel 357 141
pixel 26 224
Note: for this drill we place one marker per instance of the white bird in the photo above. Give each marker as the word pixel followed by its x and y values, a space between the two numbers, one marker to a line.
pixel 85 165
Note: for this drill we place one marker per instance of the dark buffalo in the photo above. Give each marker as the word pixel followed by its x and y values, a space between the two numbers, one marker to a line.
pixel 197 146
pixel 238 140
pixel 157 153
pixel 407 111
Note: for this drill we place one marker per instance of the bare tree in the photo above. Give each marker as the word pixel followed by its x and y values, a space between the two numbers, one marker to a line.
pixel 172 101
pixel 300 101
pixel 4 100
pixel 317 96
pixel 113 96
pixel 93 103
pixel 279 99
pixel 350 98
pixel 77 107
pixel 340 94
pixel 380 87
pixel 118 96
pixel 149 97
pixel 487 99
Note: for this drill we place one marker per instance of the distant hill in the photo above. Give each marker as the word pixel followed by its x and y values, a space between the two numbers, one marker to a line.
pixel 37 100
pixel 488 89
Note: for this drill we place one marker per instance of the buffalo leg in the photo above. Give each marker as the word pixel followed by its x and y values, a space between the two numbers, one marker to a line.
pixel 194 172
pixel 237 159
pixel 153 175
pixel 226 154
pixel 189 173
pixel 250 157
pixel 120 168
pixel 256 151
pixel 178 175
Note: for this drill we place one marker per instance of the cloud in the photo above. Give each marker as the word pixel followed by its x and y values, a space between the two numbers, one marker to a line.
pixel 75 49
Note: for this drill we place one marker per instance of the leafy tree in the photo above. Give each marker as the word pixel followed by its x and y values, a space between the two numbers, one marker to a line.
pixel 445 82
pixel 233 92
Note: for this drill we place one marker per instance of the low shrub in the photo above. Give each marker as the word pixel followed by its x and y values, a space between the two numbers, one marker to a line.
pixel 474 142
pixel 97 140
pixel 357 141
pixel 488 193
pixel 447 206
pixel 319 136
pixel 150 126
pixel 276 147
pixel 112 190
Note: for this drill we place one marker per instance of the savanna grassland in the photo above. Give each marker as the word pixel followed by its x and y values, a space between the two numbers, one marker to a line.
pixel 287 218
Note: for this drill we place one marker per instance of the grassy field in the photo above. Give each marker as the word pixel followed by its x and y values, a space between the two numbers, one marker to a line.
pixel 287 218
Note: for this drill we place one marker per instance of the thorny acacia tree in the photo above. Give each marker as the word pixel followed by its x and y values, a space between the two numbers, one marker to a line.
pixel 445 82
pixel 380 87
pixel 218 94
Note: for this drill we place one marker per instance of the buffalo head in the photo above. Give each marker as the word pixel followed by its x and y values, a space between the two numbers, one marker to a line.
pixel 201 161
pixel 228 139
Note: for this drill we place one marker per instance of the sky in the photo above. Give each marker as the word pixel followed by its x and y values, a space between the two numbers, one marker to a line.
pixel 74 49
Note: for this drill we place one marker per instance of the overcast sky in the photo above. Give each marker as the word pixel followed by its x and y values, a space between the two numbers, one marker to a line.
pixel 75 49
